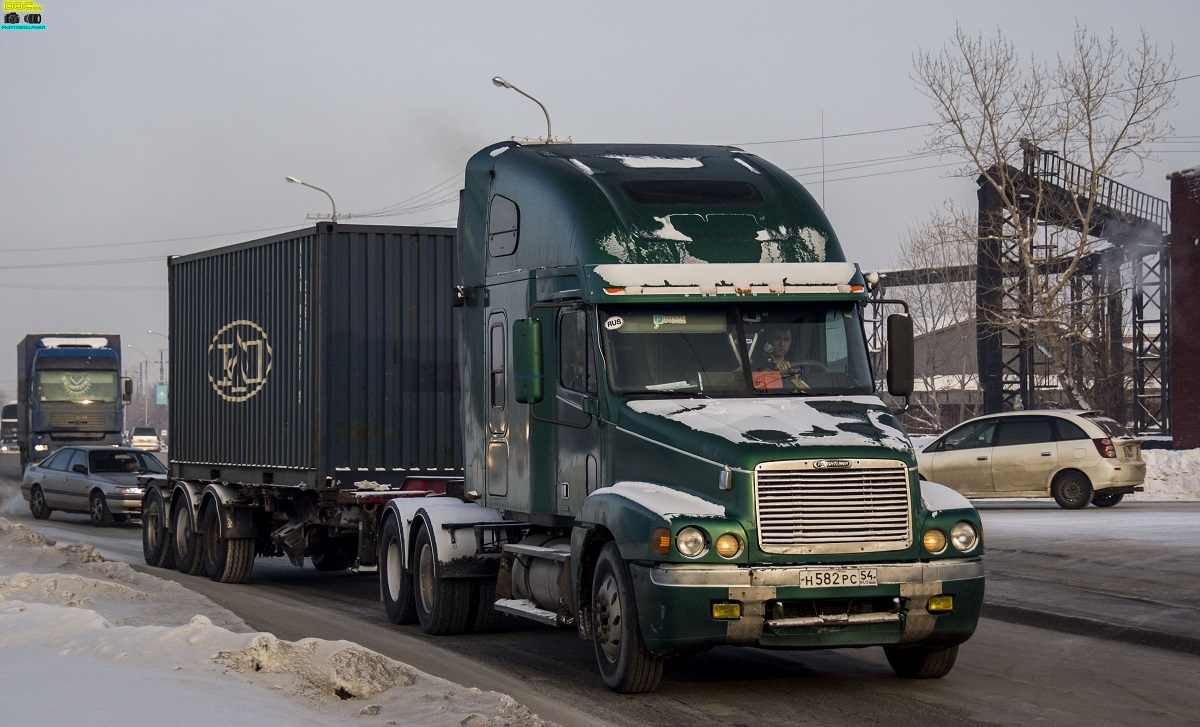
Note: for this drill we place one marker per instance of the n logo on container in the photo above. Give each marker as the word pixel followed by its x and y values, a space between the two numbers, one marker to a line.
pixel 239 360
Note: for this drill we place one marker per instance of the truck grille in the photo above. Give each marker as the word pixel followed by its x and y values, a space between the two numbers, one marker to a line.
pixel 832 506
pixel 86 419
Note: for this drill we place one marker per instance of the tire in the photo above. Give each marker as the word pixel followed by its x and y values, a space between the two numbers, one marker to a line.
pixel 442 604
pixel 332 558
pixel 484 616
pixel 37 504
pixel 185 540
pixel 1071 490
pixel 921 662
pixel 1107 499
pixel 395 580
pixel 156 539
pixel 98 509
pixel 227 560
pixel 626 665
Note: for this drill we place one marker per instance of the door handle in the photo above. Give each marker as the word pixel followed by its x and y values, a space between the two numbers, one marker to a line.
pixel 1045 454
pixel 981 459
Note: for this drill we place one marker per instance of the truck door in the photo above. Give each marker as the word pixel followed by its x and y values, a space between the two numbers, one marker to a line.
pixel 576 387
pixel 497 447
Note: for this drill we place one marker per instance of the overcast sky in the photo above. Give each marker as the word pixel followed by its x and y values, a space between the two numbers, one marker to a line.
pixel 137 130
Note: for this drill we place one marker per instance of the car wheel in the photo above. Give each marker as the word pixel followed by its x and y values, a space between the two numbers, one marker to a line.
pixel 331 558
pixel 921 662
pixel 626 665
pixel 1107 499
pixel 1071 490
pixel 37 504
pixel 98 508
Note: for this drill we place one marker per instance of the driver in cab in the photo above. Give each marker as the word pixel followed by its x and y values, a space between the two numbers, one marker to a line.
pixel 777 368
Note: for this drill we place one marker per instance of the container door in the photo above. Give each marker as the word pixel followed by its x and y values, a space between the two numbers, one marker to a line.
pixel 575 386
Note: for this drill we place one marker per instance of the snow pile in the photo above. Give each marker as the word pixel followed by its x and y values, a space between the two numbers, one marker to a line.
pixel 113 641
pixel 1171 474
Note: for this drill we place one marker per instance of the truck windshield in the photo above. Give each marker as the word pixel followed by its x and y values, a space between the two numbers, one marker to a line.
pixel 77 386
pixel 750 350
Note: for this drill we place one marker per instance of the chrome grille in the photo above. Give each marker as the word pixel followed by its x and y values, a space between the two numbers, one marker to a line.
pixel 807 506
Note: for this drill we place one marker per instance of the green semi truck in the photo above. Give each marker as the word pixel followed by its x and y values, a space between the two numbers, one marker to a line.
pixel 630 395
pixel 659 468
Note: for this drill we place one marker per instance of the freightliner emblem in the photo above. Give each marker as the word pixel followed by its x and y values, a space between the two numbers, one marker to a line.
pixel 829 464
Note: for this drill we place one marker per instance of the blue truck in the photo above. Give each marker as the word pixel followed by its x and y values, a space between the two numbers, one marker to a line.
pixel 69 391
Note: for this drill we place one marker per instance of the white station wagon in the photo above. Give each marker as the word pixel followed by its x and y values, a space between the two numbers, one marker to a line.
pixel 1076 457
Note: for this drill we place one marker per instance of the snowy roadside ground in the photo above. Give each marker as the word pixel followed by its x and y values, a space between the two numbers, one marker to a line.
pixel 85 638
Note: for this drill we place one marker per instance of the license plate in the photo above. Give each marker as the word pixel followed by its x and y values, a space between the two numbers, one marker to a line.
pixel 838 578
pixel 1129 453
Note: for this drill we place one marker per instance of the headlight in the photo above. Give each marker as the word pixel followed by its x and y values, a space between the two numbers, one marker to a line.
pixel 729 546
pixel 128 490
pixel 40 447
pixel 964 537
pixel 935 541
pixel 691 542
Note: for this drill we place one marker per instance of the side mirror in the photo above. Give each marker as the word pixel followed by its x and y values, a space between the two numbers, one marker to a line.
pixel 900 354
pixel 80 468
pixel 128 395
pixel 528 381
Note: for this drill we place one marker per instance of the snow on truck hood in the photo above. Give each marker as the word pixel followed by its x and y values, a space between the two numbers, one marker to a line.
pixel 770 422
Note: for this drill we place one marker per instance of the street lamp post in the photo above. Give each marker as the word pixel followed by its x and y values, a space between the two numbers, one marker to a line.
pixel 162 378
pixel 335 217
pixel 142 367
pixel 501 83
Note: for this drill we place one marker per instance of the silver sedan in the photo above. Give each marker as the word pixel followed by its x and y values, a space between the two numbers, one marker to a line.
pixel 100 481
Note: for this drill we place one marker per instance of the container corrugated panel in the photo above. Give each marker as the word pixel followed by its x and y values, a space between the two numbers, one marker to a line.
pixel 323 353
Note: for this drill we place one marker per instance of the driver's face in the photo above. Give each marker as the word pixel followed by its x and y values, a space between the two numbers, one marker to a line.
pixel 782 342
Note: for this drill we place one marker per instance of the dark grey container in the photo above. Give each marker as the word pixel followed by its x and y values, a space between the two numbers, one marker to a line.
pixel 320 358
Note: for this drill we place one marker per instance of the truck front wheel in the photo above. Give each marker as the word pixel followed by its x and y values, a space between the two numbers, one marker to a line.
pixel 227 560
pixel 626 665
pixel 156 548
pixel 921 662
pixel 395 581
pixel 443 604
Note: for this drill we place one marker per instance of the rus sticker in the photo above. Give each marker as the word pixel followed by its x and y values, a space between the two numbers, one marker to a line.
pixel 614 323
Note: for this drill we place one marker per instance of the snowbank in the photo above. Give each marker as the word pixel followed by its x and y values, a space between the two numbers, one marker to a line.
pixel 83 636
pixel 1171 474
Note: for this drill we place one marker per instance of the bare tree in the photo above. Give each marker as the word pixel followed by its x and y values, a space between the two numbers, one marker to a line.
pixel 1098 108
pixel 943 312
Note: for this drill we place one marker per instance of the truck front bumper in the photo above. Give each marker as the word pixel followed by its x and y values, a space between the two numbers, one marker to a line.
pixel 676 602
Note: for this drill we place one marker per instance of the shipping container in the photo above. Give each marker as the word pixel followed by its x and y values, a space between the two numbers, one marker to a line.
pixel 318 358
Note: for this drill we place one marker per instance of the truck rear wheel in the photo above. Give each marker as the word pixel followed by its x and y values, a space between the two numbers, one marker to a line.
pixel 626 665
pixel 921 662
pixel 227 560
pixel 483 606
pixel 156 546
pixel 185 541
pixel 395 581
pixel 442 604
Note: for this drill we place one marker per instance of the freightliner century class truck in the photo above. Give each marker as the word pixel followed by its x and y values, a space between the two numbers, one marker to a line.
pixel 630 395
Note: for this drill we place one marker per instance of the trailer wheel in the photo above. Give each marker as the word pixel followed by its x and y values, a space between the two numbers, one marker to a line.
pixel 921 662
pixel 227 560
pixel 626 665
pixel 185 541
pixel 156 546
pixel 37 503
pixel 443 604
pixel 395 581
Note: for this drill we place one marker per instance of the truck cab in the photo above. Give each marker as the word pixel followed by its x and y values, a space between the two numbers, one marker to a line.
pixel 667 395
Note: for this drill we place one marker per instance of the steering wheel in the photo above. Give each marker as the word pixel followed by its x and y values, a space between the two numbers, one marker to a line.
pixel 800 366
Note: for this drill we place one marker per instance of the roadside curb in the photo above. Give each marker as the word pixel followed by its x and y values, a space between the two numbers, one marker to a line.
pixel 1082 626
